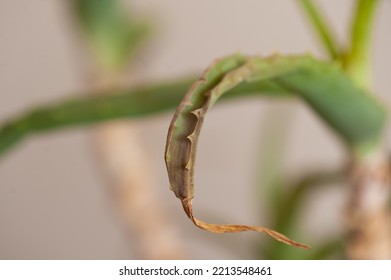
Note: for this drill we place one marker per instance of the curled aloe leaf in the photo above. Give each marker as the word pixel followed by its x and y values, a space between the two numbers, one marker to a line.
pixel 353 113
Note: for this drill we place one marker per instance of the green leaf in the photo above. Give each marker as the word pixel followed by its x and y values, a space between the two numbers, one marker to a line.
pixel 89 108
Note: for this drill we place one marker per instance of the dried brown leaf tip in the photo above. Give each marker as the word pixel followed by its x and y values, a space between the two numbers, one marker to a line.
pixel 183 135
pixel 228 228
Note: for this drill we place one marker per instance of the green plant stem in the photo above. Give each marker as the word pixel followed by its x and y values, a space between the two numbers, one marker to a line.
pixel 357 59
pixel 322 28
pixel 94 108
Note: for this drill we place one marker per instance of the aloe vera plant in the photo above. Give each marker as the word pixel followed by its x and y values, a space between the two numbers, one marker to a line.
pixel 338 90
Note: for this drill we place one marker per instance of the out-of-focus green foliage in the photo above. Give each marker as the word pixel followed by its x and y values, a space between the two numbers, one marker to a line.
pixel 286 209
pixel 357 58
pixel 322 28
pixel 88 108
pixel 112 34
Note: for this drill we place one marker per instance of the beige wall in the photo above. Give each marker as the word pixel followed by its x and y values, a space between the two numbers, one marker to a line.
pixel 53 199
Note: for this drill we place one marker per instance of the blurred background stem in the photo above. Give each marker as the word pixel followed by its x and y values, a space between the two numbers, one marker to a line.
pixel 368 212
pixel 368 219
pixel 368 225
pixel 113 37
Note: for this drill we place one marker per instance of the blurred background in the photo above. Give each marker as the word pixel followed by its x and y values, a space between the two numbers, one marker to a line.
pixel 56 198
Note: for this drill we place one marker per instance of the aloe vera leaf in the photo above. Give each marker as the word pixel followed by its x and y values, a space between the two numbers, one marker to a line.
pixel 114 104
pixel 356 116
pixel 93 108
pixel 184 124
pixel 322 28
pixel 353 113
